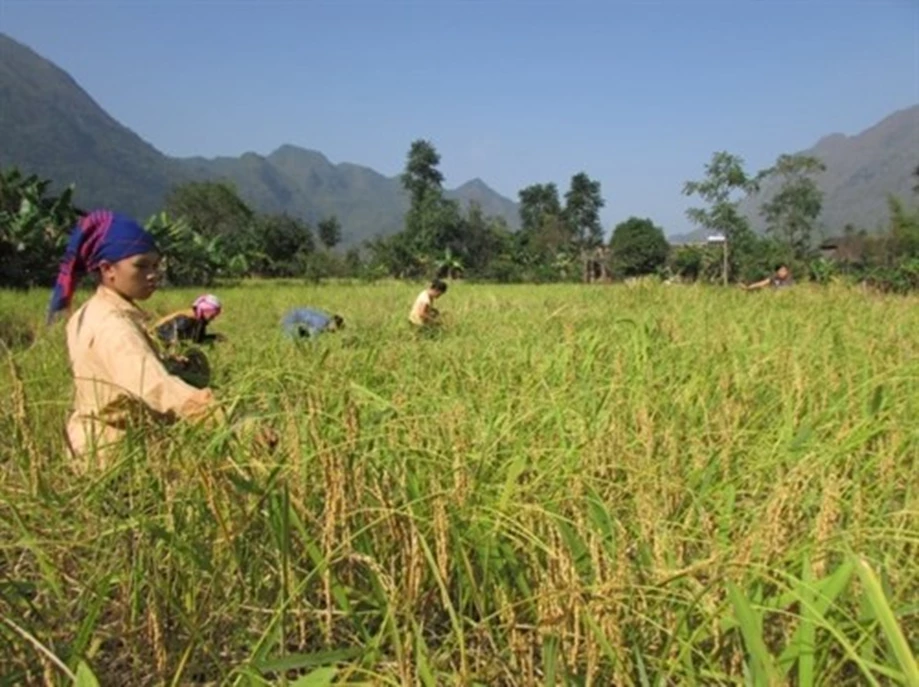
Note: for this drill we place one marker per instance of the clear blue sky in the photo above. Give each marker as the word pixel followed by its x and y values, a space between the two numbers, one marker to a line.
pixel 636 94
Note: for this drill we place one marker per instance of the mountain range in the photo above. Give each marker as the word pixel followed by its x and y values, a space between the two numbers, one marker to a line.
pixel 51 127
pixel 861 171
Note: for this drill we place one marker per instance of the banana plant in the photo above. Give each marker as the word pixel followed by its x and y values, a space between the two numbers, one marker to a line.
pixel 34 227
pixel 450 265
pixel 188 257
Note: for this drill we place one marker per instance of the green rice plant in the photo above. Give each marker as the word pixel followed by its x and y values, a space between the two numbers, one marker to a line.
pixel 629 485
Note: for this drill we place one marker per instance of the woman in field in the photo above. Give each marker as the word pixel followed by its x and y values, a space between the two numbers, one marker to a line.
pixel 190 325
pixel 119 377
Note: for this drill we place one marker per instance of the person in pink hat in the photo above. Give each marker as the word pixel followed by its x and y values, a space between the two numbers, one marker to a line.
pixel 190 325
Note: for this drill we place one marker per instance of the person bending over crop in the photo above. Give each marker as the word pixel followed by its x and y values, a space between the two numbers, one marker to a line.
pixel 781 278
pixel 306 323
pixel 118 375
pixel 190 324
pixel 423 312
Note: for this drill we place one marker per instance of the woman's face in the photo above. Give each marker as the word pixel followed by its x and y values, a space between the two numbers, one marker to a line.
pixel 135 278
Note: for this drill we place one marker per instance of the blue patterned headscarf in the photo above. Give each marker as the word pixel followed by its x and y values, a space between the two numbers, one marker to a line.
pixel 101 236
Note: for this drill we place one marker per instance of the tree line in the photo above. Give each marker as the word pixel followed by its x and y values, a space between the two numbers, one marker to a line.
pixel 207 232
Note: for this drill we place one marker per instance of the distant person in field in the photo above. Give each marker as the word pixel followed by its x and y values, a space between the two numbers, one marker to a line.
pixel 190 325
pixel 423 312
pixel 307 323
pixel 119 376
pixel 781 278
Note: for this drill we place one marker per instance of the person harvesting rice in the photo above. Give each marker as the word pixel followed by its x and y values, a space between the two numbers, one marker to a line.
pixel 191 323
pixel 423 313
pixel 780 279
pixel 307 323
pixel 118 375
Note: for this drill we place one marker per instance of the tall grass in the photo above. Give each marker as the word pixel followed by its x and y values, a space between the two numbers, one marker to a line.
pixel 572 485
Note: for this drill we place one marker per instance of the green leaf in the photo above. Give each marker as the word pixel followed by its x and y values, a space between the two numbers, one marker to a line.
pixel 802 438
pixel 421 654
pixel 297 661
pixel 550 660
pixel 815 599
pixel 88 626
pixel 321 677
pixel 764 671
pixel 580 555
pixel 514 470
pixel 885 615
pixel 808 630
pixel 877 400
pixel 601 520
pixel 85 676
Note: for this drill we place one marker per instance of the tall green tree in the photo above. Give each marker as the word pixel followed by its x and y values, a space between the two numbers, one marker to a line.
pixel 482 240
pixel 544 234
pixel 539 203
pixel 904 229
pixel 791 213
pixel 354 265
pixel 638 247
pixel 214 209
pixel 396 256
pixel 724 185
pixel 329 231
pixel 424 183
pixel 421 176
pixel 725 177
pixel 444 229
pixel 284 242
pixel 583 201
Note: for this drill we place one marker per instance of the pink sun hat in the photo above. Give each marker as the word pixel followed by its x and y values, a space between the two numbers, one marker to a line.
pixel 207 306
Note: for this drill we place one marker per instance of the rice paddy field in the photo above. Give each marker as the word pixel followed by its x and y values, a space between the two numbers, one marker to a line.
pixel 569 485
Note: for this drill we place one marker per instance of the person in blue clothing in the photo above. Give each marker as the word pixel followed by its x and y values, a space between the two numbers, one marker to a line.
pixel 305 323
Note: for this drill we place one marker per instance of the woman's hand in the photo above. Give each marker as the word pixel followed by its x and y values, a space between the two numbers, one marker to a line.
pixel 263 437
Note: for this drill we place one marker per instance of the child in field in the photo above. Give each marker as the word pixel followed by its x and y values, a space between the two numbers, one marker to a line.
pixel 306 323
pixel 423 312
pixel 118 374
pixel 190 324
pixel 781 278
